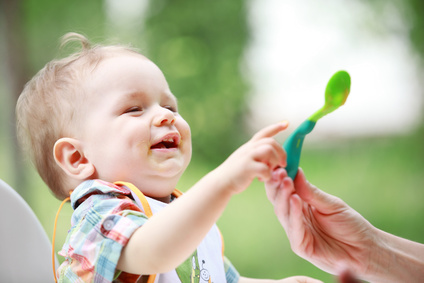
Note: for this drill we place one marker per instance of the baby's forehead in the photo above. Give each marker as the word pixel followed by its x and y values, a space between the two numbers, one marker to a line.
pixel 133 78
pixel 91 69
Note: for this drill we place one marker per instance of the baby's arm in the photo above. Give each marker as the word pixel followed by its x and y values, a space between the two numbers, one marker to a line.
pixel 163 243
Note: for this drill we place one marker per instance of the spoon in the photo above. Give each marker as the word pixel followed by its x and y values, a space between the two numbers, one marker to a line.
pixel 336 93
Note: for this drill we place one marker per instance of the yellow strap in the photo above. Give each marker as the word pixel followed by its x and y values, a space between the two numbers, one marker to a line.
pixel 140 195
pixel 152 278
pixel 177 193
pixel 54 236
pixel 142 198
pixel 146 208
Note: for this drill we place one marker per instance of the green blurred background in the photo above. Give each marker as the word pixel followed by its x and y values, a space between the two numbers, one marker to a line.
pixel 200 45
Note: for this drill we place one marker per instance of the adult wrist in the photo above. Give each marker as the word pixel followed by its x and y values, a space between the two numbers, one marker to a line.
pixel 392 260
pixel 379 257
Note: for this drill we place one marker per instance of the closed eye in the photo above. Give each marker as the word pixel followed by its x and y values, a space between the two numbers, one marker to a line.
pixel 133 110
pixel 171 108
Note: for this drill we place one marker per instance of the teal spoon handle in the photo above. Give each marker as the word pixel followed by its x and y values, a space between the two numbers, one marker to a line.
pixel 293 146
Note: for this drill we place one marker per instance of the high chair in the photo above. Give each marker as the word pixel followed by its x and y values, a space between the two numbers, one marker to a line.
pixel 25 250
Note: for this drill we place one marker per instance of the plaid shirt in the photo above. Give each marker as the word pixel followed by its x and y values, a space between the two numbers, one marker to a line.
pixel 104 219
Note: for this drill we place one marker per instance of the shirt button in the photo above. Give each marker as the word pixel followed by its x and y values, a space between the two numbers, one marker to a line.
pixel 108 224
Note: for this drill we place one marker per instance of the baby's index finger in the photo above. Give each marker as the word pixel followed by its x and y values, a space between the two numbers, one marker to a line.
pixel 271 130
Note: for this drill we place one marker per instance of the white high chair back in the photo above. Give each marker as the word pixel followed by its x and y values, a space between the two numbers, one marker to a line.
pixel 25 250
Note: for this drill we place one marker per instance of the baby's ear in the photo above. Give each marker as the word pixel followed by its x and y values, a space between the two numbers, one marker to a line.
pixel 70 157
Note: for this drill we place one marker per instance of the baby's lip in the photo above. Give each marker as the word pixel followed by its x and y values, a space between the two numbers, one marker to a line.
pixel 168 141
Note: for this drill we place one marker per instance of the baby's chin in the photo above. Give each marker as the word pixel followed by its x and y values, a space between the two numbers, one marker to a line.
pixel 169 167
pixel 165 174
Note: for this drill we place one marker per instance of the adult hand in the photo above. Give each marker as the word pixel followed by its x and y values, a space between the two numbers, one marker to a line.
pixel 321 228
pixel 324 230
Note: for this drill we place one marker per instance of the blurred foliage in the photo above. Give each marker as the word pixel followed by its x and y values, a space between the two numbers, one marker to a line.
pixel 415 14
pixel 45 21
pixel 411 13
pixel 31 39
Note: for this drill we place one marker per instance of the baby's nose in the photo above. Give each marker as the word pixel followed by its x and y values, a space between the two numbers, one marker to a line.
pixel 164 117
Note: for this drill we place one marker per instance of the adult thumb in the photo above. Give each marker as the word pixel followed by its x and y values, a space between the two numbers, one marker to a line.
pixel 315 197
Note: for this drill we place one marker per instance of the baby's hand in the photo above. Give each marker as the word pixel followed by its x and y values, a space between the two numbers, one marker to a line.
pixel 256 158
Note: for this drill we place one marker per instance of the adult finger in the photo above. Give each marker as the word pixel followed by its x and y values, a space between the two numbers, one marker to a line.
pixel 319 199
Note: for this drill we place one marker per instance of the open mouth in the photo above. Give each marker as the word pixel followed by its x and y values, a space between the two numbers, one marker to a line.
pixel 168 142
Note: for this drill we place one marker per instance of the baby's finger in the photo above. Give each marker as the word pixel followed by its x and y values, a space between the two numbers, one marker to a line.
pixel 272 186
pixel 270 131
pixel 269 151
pixel 263 173
pixel 269 155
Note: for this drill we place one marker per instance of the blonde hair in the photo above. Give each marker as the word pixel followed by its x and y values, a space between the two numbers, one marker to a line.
pixel 47 108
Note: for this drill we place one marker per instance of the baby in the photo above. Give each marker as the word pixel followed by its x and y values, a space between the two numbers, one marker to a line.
pixel 102 126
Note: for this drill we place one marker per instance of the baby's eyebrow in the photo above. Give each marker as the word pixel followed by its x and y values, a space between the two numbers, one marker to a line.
pixel 136 95
pixel 133 95
pixel 128 97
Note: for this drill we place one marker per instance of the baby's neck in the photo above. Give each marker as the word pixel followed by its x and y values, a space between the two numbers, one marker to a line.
pixel 166 199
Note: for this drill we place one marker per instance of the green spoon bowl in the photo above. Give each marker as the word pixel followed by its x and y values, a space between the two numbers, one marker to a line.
pixel 336 93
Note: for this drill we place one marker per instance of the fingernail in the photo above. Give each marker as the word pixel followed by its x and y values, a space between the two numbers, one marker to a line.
pixel 285 123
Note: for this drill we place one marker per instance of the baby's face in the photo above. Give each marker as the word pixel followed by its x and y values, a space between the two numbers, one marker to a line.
pixel 132 131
